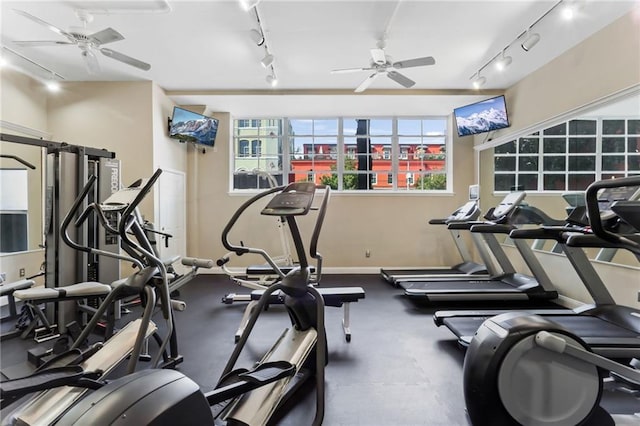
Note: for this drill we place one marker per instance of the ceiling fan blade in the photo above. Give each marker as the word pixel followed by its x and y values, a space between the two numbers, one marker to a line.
pixel 36 43
pixel 126 59
pixel 378 56
pixel 417 62
pixel 401 79
pixel 108 35
pixel 348 70
pixel 44 23
pixel 366 83
pixel 90 61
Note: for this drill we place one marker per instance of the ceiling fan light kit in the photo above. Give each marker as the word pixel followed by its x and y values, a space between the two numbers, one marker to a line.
pixel 527 38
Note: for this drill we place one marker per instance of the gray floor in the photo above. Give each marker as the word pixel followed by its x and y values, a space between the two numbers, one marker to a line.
pixel 399 368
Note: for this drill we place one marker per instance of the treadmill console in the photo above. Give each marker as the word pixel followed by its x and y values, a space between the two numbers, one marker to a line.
pixel 294 200
pixel 508 204
pixel 608 196
pixel 467 212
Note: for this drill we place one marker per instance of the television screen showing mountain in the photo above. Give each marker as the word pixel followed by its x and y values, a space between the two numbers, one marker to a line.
pixel 192 127
pixel 480 117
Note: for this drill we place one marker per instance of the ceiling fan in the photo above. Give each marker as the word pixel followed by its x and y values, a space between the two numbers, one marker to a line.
pixel 89 43
pixel 381 63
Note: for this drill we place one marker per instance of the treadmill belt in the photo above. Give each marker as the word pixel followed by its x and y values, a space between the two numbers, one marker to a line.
pixel 420 287
pixel 436 271
pixel 588 326
pixel 585 326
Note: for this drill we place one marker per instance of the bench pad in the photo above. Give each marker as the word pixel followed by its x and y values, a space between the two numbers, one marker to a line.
pixel 8 288
pixel 333 296
pixel 85 289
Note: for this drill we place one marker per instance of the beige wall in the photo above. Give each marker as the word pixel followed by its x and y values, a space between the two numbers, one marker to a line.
pixel 393 226
pixel 116 116
pixel 23 102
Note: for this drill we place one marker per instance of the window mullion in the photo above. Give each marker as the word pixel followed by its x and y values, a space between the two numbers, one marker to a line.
pixel 340 162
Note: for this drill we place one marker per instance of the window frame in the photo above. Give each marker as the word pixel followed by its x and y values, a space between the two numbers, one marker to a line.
pixel 598 171
pixel 343 154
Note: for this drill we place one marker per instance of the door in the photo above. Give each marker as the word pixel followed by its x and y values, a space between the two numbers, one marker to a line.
pixel 172 215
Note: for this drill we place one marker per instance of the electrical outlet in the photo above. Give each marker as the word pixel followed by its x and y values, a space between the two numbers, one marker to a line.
pixel 367 253
pixel 22 273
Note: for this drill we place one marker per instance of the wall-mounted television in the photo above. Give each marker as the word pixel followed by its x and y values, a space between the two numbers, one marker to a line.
pixel 481 117
pixel 189 126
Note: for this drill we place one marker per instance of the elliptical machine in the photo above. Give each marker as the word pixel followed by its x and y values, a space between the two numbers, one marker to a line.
pixel 242 397
pixel 525 369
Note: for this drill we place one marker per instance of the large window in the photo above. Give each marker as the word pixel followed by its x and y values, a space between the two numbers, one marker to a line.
pixel 569 156
pixel 349 154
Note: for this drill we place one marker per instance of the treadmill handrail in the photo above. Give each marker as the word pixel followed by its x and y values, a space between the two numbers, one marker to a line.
pixel 492 228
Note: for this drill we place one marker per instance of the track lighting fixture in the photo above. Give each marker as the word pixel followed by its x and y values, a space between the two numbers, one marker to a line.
pixel 267 60
pixel 257 37
pixel 248 4
pixel 479 81
pixel 272 80
pixel 503 62
pixel 53 85
pixel 531 40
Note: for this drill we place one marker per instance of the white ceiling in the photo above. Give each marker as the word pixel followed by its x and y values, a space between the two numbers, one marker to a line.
pixel 205 45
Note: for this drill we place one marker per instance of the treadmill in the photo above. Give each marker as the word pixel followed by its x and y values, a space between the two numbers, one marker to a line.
pixel 468 212
pixel 609 329
pixel 486 246
pixel 507 286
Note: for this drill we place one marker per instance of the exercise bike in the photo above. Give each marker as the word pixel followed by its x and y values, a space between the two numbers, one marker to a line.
pixel 525 369
pixel 242 397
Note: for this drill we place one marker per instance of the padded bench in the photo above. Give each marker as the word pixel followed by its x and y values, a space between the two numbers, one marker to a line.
pixel 7 289
pixel 32 297
pixel 333 296
pixel 268 270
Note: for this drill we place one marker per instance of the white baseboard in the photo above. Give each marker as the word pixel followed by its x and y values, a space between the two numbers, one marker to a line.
pixel 333 270
pixel 568 302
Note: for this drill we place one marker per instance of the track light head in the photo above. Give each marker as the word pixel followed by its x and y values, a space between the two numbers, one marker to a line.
pixel 267 60
pixel 53 86
pixel 272 80
pixel 503 62
pixel 531 40
pixel 257 37
pixel 479 81
pixel 248 4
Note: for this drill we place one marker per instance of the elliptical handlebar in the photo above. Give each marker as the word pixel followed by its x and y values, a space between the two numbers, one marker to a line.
pixel 313 244
pixel 240 250
pixel 71 213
